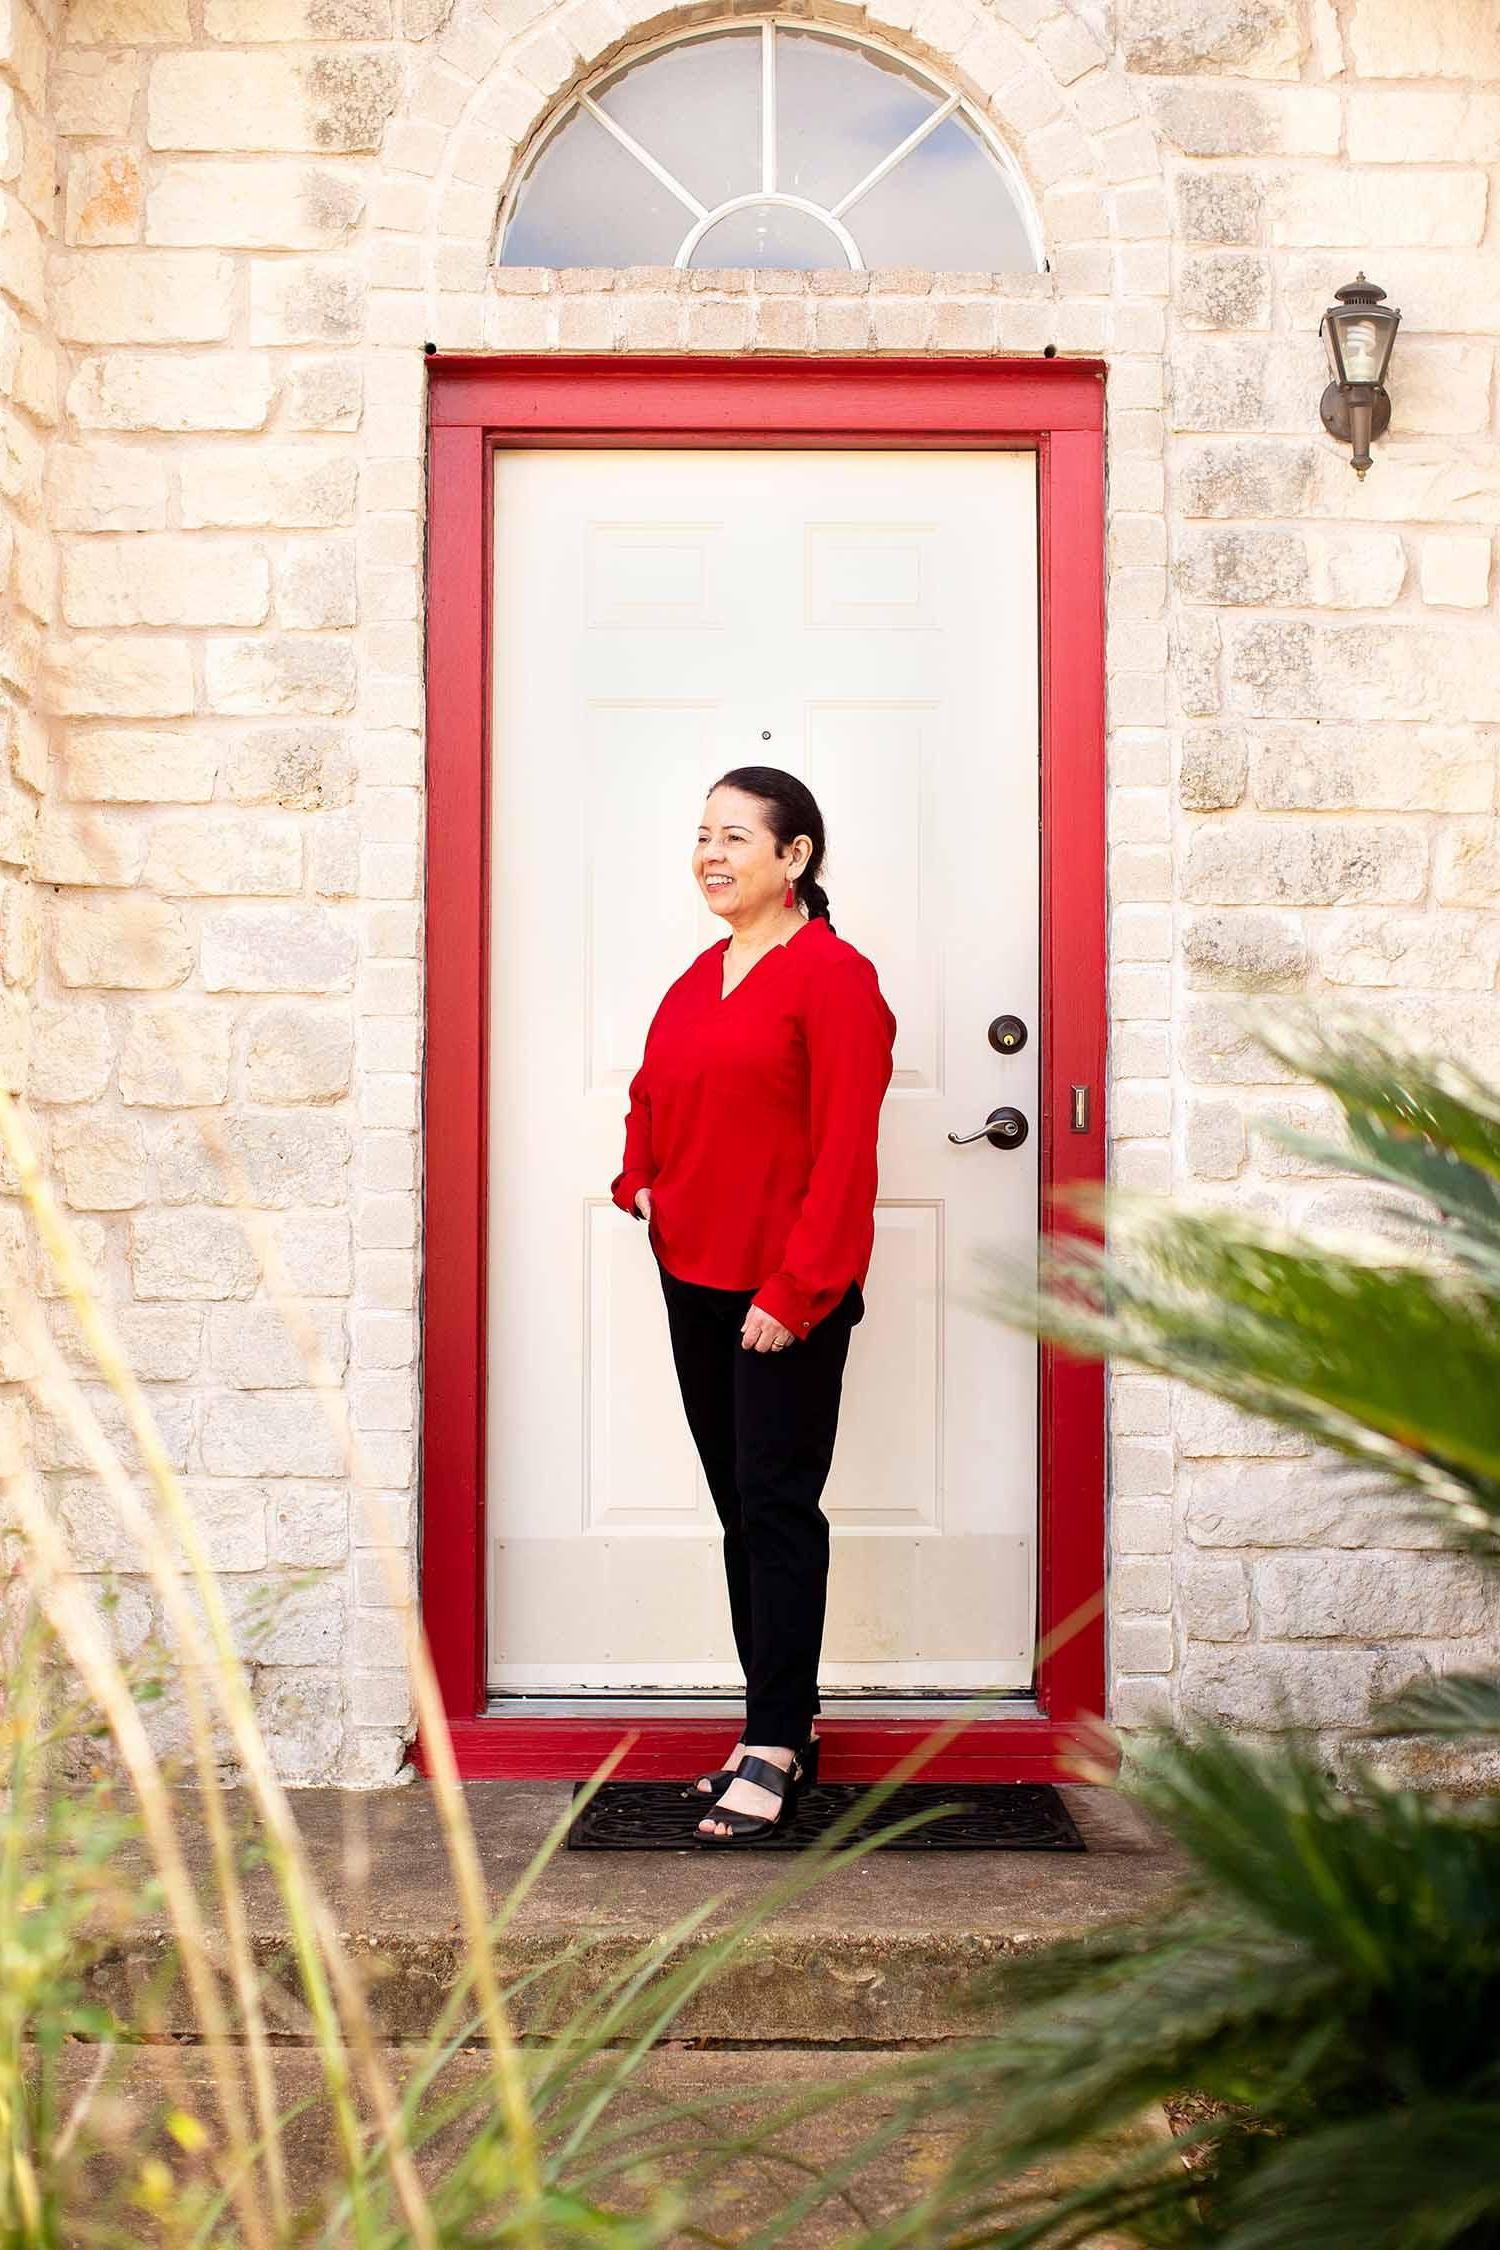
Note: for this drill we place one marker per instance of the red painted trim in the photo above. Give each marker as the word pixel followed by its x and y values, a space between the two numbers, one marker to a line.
pixel 477 404
pixel 516 1749
pixel 453 1313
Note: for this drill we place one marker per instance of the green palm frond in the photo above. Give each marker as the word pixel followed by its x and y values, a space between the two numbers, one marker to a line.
pixel 1416 2179
pixel 1390 1364
pixel 1332 1966
pixel 1459 1705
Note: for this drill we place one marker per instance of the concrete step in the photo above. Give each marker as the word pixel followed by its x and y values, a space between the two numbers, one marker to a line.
pixel 878 1954
pixel 722 2187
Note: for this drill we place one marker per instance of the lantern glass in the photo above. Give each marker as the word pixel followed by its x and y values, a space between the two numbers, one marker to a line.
pixel 1363 348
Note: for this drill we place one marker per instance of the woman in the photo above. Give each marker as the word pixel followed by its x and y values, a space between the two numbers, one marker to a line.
pixel 750 1153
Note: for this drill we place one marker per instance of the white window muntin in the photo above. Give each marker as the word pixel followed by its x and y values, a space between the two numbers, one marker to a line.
pixel 700 218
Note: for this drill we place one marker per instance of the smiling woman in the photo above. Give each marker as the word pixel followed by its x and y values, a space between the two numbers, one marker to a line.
pixel 770 145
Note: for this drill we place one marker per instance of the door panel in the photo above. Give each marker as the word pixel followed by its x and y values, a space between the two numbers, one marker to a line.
pixel 868 620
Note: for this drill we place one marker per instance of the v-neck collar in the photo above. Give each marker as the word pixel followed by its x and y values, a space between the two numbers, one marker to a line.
pixel 720 995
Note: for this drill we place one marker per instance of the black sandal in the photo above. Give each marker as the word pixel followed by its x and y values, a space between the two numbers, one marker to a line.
pixel 718 1782
pixel 752 1828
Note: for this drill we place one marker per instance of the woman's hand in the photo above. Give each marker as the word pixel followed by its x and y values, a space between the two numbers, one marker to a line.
pixel 643 1202
pixel 763 1334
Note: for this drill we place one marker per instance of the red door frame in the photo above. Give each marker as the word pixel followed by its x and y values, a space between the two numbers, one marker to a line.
pixel 476 405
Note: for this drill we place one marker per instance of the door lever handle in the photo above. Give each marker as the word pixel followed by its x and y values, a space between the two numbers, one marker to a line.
pixel 1003 1128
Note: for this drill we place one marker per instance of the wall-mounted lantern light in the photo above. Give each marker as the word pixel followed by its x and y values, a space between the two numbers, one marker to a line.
pixel 1358 331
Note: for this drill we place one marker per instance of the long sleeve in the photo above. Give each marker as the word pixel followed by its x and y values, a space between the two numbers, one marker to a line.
pixel 850 1032
pixel 638 1170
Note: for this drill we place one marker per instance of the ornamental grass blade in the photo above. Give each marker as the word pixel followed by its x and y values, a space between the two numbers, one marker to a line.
pixel 1457 1705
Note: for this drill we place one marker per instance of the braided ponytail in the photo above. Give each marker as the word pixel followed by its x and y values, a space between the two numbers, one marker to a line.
pixel 791 811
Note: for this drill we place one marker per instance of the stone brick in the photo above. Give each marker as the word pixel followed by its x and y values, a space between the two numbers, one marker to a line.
pixel 305 301
pixel 1219 206
pixel 1141 1644
pixel 1195 645
pixel 163 579
pixel 99 487
pixel 254 1434
pixel 1215 1599
pixel 1423 39
pixel 1214 1141
pixel 276 674
pixel 221 856
pixel 1290 668
pixel 23 274
pixel 301 769
pixel 1387 769
pixel 1416 124
pixel 1239 565
pixel 1240 1687
pixel 191 1254
pixel 121 296
pixel 71 1053
pixel 277 949
pixel 1468 864
pixel 124 944
pixel 320 101
pixel 1211 775
pixel 274 205
pixel 230 1519
pixel 1365 1597
pixel 120 676
pixel 1280 1504
pixel 268 1161
pixel 1246 477
pixel 300 1713
pixel 289 488
pixel 1244 952
pixel 1248 862
pixel 309 1524
pixel 87 847
pixel 1217 1049
pixel 135 766
pixel 103 202
pixel 316 1253
pixel 171 391
pixel 324 394
pixel 1224 289
pixel 128 23
pixel 1359 569
pixel 1455 569
pixel 299 1054
pixel 94 94
pixel 315 585
pixel 1455 952
pixel 1348 206
pixel 101 1162
pixel 1238 38
pixel 239 21
pixel 175 1058
pixel 252 1347
pixel 163 1343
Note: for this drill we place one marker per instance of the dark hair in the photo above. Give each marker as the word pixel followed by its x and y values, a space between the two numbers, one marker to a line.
pixel 791 810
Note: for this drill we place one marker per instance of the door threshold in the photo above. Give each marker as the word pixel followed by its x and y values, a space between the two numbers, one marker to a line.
pixel 1001 1704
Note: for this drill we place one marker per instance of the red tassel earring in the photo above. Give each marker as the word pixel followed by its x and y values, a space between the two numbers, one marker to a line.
pixel 790 898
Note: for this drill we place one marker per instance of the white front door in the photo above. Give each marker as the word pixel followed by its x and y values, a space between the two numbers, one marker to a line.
pixel 867 620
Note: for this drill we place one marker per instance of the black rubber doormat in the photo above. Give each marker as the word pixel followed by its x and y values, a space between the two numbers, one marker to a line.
pixel 988 1816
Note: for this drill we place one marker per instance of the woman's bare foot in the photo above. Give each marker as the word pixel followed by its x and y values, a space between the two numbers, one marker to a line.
pixel 733 1759
pixel 748 1796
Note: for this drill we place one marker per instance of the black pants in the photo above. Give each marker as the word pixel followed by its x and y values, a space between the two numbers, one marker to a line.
pixel 764 1425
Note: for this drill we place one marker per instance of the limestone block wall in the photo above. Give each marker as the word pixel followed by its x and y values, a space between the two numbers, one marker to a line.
pixel 30 399
pixel 265 209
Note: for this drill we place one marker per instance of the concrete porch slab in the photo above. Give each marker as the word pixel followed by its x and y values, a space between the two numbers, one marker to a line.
pixel 879 1953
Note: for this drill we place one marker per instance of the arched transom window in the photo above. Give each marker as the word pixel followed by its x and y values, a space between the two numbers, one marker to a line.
pixel 770 144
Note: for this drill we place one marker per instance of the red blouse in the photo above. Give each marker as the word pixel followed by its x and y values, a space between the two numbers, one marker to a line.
pixel 753 1121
